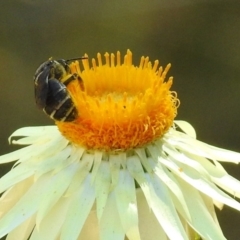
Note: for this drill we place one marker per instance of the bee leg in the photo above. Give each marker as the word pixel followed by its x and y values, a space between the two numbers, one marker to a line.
pixel 72 77
pixel 81 83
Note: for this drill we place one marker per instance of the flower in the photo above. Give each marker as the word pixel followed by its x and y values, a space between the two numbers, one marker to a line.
pixel 123 168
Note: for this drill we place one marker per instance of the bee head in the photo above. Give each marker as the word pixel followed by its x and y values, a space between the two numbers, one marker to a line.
pixel 56 69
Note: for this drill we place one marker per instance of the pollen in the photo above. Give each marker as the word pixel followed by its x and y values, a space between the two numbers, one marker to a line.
pixel 120 106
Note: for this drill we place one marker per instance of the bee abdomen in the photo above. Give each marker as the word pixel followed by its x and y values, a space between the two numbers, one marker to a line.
pixel 66 113
pixel 59 105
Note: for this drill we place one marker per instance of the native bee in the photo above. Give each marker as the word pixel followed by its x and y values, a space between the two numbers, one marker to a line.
pixel 51 93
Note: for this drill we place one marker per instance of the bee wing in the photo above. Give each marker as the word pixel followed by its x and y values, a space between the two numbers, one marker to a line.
pixel 41 88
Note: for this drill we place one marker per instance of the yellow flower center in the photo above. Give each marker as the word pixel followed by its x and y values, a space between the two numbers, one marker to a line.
pixel 121 106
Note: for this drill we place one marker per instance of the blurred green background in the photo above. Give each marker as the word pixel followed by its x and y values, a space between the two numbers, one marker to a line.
pixel 200 38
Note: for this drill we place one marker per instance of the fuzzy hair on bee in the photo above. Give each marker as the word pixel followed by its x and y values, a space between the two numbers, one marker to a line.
pixel 51 94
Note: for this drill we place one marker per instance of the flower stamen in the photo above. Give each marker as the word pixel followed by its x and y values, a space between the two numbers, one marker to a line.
pixel 123 106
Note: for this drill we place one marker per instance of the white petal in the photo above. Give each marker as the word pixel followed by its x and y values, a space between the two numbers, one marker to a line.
pixel 22 231
pixel 194 179
pixel 173 186
pixel 40 152
pixel 31 140
pixel 12 195
pixel 51 225
pixel 102 187
pixel 135 168
pixel 187 146
pixel 186 127
pixel 84 167
pixel 58 185
pixel 78 211
pixel 180 157
pixel 74 157
pixel 13 156
pixel 127 206
pixel 15 176
pixel 25 207
pixel 201 220
pixel 97 162
pixel 229 184
pixel 224 154
pixel 50 148
pixel 158 199
pixel 164 209
pixel 211 209
pixel 149 227
pixel 122 157
pixel 110 223
pixel 51 163
pixel 143 158
pixel 91 227
pixel 220 176
pixel 114 169
pixel 154 151
pixel 183 142
pixel 34 131
pixel 34 135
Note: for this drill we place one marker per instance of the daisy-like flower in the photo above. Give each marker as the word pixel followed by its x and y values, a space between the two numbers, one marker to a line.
pixel 124 169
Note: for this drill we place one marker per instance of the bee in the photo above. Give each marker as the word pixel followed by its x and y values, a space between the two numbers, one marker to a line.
pixel 51 93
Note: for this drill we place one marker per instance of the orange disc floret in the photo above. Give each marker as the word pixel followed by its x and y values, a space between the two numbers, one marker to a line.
pixel 121 106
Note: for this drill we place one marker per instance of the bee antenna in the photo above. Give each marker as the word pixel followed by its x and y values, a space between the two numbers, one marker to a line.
pixel 73 59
